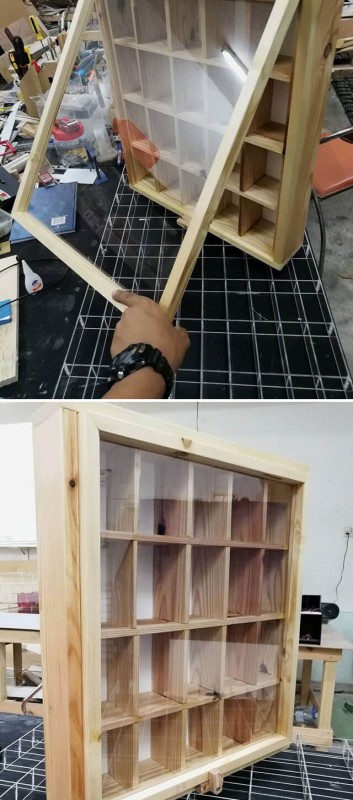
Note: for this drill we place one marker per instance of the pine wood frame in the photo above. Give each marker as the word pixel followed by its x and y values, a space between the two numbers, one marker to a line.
pixel 67 466
pixel 309 79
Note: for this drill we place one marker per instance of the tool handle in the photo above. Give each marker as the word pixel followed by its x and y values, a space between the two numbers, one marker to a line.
pixel 34 23
pixel 9 35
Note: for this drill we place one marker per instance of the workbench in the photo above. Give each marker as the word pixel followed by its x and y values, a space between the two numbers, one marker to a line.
pixel 330 653
pixel 254 334
pixel 16 637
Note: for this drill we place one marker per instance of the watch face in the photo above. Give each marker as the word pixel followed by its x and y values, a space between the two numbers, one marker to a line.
pixel 128 356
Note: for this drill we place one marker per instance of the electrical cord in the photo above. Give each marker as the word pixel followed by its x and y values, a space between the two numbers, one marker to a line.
pixel 45 288
pixel 342 570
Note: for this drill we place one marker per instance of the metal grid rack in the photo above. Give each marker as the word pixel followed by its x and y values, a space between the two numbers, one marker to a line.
pixel 22 767
pixel 254 333
pixel 299 773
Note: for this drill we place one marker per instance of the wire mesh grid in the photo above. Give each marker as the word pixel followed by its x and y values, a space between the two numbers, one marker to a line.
pixel 254 333
pixel 299 773
pixel 22 767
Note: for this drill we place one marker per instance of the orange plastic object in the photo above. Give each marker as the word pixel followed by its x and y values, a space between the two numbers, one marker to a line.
pixel 132 138
pixel 334 168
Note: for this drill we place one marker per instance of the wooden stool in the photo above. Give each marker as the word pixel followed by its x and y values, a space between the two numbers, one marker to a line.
pixel 330 653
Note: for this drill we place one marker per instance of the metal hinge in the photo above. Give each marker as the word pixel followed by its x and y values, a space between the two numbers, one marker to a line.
pixel 213 784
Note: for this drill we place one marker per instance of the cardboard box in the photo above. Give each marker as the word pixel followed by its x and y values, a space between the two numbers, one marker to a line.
pixel 10 12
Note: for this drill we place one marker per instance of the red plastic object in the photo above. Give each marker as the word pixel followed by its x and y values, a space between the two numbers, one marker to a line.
pixel 8 147
pixel 66 129
pixel 334 168
pixel 28 603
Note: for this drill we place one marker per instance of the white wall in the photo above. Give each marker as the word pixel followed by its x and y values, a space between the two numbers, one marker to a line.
pixel 321 436
pixel 17 505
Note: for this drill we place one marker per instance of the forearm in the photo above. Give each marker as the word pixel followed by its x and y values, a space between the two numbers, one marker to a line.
pixel 145 384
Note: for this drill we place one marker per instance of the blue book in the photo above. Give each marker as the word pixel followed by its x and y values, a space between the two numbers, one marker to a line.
pixel 55 206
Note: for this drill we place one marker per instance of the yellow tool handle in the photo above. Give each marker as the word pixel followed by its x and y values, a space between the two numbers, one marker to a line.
pixel 34 22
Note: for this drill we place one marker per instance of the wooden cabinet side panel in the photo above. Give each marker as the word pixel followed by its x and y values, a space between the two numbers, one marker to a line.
pixel 317 36
pixel 292 613
pixel 56 472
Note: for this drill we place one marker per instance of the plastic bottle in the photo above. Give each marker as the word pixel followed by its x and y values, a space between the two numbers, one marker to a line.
pixel 305 715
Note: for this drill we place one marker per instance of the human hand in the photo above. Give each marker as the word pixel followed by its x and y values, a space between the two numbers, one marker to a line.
pixel 144 321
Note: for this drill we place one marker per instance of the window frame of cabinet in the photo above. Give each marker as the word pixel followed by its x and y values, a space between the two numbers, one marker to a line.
pixel 238 202
pixel 67 468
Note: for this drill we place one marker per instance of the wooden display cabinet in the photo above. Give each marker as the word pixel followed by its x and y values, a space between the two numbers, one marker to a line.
pixel 231 152
pixel 170 599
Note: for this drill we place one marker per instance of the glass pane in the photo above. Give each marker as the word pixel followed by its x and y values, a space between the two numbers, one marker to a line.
pixel 247 508
pixel 163 496
pixel 279 506
pixel 211 503
pixel 156 98
pixel 193 559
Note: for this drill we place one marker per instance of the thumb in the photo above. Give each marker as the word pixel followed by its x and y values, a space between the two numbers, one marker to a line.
pixel 127 298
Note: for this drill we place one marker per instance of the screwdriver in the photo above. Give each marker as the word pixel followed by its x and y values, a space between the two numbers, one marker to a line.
pixel 36 28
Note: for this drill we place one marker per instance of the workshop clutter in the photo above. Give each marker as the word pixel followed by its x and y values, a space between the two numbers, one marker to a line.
pixel 84 114
pixel 82 134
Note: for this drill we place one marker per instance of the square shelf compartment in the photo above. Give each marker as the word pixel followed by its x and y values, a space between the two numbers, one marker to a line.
pixel 270 646
pixel 256 219
pixel 191 188
pixel 160 585
pixel 266 712
pixel 226 221
pixel 238 721
pixel 223 90
pixel 185 25
pixel 241 658
pixel 136 126
pixel 150 21
pixel 117 497
pixel 161 672
pixel 156 81
pixel 248 509
pixel 274 581
pixel 121 20
pixel 245 581
pixel 211 504
pixel 117 584
pixel 163 496
pixel 190 86
pixel 160 744
pixel 192 140
pixel 119 760
pixel 167 179
pixel 209 585
pixel 163 136
pixel 279 509
pixel 214 139
pixel 203 732
pixel 129 72
pixel 205 664
pixel 268 128
pixel 118 681
pixel 221 21
pixel 259 177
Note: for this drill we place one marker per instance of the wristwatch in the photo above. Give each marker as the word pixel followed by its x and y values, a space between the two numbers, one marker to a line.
pixel 138 356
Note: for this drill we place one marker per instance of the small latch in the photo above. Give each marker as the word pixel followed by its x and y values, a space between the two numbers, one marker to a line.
pixel 213 784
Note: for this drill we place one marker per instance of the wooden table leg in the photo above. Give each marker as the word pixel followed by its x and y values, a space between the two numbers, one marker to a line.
pixel 327 694
pixel 3 687
pixel 17 663
pixel 306 682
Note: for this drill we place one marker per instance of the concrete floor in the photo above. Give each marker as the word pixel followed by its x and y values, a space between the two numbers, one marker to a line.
pixel 338 213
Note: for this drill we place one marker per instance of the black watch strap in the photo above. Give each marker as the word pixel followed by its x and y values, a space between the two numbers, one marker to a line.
pixel 139 356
